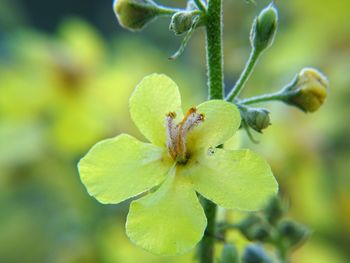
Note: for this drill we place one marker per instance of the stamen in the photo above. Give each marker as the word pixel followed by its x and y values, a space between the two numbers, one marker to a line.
pixel 177 135
pixel 171 133
pixel 191 120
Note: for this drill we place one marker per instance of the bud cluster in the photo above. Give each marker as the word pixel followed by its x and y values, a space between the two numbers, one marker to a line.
pixel 270 227
pixel 134 15
pixel 254 228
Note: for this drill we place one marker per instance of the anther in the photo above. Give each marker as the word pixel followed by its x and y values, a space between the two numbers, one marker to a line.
pixel 177 134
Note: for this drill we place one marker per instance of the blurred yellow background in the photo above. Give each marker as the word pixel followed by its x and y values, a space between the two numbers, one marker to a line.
pixel 66 73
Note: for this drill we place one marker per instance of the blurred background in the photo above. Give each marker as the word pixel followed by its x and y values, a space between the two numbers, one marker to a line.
pixel 67 70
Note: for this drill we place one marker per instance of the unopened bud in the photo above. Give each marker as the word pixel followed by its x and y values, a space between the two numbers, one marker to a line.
pixel 264 28
pixel 229 254
pixel 311 90
pixel 181 22
pixel 136 14
pixel 250 221
pixel 259 233
pixel 254 228
pixel 255 254
pixel 292 232
pixel 258 119
pixel 274 210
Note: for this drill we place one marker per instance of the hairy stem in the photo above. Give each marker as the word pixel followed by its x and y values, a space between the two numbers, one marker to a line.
pixel 200 5
pixel 282 252
pixel 248 69
pixel 206 246
pixel 216 91
pixel 214 49
pixel 278 96
pixel 166 11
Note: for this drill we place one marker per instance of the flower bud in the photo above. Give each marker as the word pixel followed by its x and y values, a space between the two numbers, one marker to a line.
pixel 311 90
pixel 229 254
pixel 274 210
pixel 136 14
pixel 181 22
pixel 292 232
pixel 264 28
pixel 255 254
pixel 254 228
pixel 258 119
pixel 259 233
pixel 250 221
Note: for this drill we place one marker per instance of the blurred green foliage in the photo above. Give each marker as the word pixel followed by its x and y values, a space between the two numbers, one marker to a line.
pixel 60 92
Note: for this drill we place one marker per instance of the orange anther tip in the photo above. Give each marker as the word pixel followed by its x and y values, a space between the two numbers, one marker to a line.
pixel 171 115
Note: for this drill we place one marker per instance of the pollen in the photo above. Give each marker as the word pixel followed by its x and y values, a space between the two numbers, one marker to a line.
pixel 177 133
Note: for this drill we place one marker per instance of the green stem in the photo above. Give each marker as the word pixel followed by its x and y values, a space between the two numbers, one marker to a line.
pixel 206 246
pixel 282 253
pixel 200 5
pixel 216 91
pixel 166 11
pixel 248 69
pixel 214 49
pixel 227 226
pixel 278 96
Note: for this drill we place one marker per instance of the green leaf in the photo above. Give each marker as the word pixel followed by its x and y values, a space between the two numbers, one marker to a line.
pixel 169 221
pixel 153 98
pixel 233 179
pixel 221 121
pixel 122 167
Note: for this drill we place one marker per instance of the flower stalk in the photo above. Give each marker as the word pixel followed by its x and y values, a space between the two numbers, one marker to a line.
pixel 277 96
pixel 214 49
pixel 262 36
pixel 200 5
pixel 248 69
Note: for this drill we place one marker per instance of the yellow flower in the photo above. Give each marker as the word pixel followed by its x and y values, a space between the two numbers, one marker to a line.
pixel 181 160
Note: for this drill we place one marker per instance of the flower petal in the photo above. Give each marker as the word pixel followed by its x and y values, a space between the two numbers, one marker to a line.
pixel 222 119
pixel 153 98
pixel 122 167
pixel 233 179
pixel 169 221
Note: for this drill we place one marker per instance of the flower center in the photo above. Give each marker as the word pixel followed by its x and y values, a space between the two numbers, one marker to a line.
pixel 177 133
